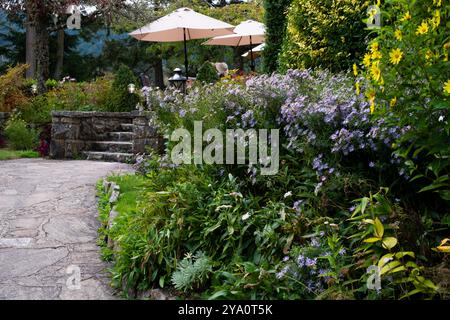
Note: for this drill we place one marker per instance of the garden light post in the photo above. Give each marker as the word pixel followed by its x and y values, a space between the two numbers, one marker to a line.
pixel 34 88
pixel 178 81
pixel 131 88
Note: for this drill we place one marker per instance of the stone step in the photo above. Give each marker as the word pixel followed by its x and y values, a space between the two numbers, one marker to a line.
pixel 109 156
pixel 128 127
pixel 111 146
pixel 121 136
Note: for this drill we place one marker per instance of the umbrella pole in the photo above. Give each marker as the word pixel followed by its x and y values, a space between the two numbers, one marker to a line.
pixel 252 63
pixel 186 63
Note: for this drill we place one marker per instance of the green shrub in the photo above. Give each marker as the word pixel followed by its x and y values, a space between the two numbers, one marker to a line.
pixel 407 75
pixel 51 84
pixel 120 99
pixel 207 73
pixel 19 136
pixel 11 84
pixel 71 96
pixel 325 34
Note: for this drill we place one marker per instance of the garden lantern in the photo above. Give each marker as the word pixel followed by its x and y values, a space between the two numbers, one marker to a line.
pixel 178 81
pixel 131 88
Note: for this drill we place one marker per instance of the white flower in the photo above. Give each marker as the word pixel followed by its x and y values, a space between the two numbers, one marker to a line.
pixel 225 206
pixel 287 194
pixel 245 216
pixel 441 118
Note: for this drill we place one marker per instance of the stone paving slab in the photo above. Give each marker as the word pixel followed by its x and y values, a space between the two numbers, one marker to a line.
pixel 48 230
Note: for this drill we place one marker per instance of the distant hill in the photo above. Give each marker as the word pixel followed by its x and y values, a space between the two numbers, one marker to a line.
pixel 94 47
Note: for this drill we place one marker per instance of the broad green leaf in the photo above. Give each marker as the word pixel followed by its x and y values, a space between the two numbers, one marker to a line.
pixel 389 266
pixel 444 195
pixel 221 293
pixel 389 242
pixel 398 269
pixel 400 255
pixel 372 240
pixel 379 229
pixel 433 186
pixel 364 203
pixel 413 292
pixel 385 259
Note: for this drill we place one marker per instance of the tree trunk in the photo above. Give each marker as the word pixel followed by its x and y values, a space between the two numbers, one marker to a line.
pixel 59 55
pixel 30 52
pixel 159 76
pixel 37 16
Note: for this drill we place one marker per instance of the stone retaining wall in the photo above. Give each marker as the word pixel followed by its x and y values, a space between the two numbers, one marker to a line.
pixel 73 132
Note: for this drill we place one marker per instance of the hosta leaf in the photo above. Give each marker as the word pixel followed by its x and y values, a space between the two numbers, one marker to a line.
pixel 389 242
pixel 379 229
pixel 400 255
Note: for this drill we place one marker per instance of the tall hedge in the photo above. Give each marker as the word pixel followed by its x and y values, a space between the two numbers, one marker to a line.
pixel 275 20
pixel 324 33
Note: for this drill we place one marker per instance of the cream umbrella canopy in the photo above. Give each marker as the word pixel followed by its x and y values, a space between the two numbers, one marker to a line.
pixel 256 50
pixel 249 32
pixel 182 25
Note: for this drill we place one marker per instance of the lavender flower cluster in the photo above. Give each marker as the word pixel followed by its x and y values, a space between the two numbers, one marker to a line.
pixel 317 110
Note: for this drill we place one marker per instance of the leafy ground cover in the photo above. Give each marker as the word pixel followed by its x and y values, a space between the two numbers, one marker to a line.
pixel 7 154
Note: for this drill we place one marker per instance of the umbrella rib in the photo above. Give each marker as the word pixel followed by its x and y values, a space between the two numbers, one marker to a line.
pixel 239 42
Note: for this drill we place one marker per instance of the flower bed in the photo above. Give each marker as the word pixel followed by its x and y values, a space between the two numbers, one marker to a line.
pixel 340 203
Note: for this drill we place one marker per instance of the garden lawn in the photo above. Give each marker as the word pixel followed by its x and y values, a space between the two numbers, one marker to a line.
pixel 7 154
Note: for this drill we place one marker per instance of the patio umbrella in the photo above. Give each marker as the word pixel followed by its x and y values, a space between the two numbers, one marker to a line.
pixel 256 51
pixel 246 33
pixel 181 25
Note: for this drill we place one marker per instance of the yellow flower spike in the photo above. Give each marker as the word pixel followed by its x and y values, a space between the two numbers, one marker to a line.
pixel 372 107
pixel 396 55
pixel 366 60
pixel 393 102
pixel 447 87
pixel 406 16
pixel 422 29
pixel 355 69
pixel 358 88
pixel 398 35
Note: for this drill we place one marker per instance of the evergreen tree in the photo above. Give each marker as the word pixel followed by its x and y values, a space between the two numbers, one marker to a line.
pixel 275 20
